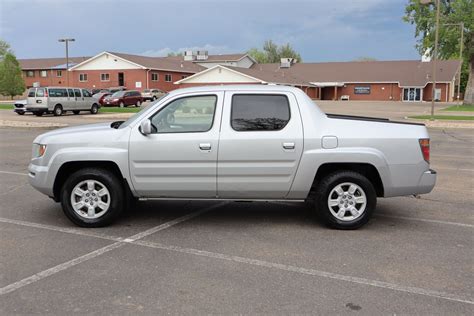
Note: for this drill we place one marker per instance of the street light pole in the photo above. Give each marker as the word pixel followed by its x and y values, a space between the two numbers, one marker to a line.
pixel 435 56
pixel 67 40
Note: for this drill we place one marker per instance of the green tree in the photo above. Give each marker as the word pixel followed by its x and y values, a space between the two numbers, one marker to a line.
pixel 4 48
pixel 174 54
pixel 272 53
pixel 451 12
pixel 11 82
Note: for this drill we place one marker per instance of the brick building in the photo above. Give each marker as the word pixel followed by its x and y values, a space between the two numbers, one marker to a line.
pixel 407 80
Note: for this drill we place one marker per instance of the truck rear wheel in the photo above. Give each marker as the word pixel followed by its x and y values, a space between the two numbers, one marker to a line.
pixel 345 199
pixel 58 110
pixel 94 109
pixel 92 197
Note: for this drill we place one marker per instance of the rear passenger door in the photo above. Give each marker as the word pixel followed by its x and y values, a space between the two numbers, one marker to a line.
pixel 79 100
pixel 260 145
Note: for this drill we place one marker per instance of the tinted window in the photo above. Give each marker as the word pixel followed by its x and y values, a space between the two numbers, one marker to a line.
pixel 77 93
pixel 71 93
pixel 86 93
pixel 57 93
pixel 252 112
pixel 31 93
pixel 40 93
pixel 189 114
pixel 118 94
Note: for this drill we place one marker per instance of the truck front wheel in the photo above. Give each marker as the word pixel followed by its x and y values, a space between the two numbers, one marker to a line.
pixel 345 199
pixel 92 197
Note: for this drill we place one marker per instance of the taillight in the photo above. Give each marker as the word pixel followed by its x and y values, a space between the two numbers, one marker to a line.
pixel 425 148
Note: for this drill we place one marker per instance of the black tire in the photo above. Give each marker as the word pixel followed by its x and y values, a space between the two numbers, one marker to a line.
pixel 330 182
pixel 113 185
pixel 76 112
pixel 94 109
pixel 20 113
pixel 39 113
pixel 58 110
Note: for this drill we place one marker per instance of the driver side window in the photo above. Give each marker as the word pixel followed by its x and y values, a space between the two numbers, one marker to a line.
pixel 186 115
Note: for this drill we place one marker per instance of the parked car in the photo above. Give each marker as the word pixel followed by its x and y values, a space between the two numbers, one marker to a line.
pixel 100 96
pixel 20 107
pixel 58 100
pixel 240 142
pixel 124 98
pixel 152 94
pixel 115 89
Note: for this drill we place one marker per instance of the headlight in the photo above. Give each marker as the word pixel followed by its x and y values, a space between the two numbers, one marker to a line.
pixel 38 150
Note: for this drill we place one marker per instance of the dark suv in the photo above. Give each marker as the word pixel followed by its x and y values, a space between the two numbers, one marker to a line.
pixel 124 98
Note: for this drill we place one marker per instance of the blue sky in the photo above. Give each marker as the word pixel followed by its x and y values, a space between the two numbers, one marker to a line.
pixel 332 30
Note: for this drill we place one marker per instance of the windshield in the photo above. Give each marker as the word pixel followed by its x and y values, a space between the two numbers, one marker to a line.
pixel 134 116
pixel 118 94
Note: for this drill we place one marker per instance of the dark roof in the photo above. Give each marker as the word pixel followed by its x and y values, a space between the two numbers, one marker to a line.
pixel 223 57
pixel 175 63
pixel 48 63
pixel 269 76
pixel 413 73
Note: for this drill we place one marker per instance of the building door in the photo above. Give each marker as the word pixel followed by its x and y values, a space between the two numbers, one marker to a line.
pixel 412 94
pixel 121 80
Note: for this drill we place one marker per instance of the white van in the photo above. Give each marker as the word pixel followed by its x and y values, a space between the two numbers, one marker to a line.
pixel 58 100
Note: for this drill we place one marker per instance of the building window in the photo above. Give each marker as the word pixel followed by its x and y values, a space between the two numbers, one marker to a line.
pixel 43 73
pixel 82 77
pixel 183 76
pixel 104 77
pixel 59 73
pixel 168 78
pixel 154 76
pixel 30 73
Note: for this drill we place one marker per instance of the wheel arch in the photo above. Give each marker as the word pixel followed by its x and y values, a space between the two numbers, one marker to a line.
pixel 366 169
pixel 69 167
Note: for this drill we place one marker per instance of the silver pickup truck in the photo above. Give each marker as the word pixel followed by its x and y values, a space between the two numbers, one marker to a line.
pixel 245 142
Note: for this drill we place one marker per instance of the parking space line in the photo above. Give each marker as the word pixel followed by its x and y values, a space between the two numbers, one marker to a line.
pixel 426 220
pixel 75 231
pixel 16 173
pixel 311 272
pixel 71 263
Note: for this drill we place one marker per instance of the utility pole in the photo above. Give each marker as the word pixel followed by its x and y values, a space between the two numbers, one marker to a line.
pixel 435 57
pixel 67 40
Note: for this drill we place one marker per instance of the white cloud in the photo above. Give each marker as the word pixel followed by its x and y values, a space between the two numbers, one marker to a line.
pixel 212 49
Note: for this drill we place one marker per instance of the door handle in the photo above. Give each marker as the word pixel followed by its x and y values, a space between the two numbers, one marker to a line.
pixel 289 145
pixel 205 146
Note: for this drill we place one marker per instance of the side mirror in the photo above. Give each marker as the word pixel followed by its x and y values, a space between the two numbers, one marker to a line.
pixel 145 127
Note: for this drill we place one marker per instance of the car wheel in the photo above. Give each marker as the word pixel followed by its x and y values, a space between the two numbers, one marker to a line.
pixel 39 113
pixel 20 113
pixel 94 109
pixel 138 104
pixel 121 104
pixel 76 112
pixel 58 110
pixel 345 199
pixel 92 197
pixel 154 98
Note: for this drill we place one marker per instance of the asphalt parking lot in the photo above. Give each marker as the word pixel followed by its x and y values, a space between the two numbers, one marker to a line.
pixel 415 256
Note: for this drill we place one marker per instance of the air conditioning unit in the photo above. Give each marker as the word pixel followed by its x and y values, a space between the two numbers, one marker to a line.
pixel 201 55
pixel 287 62
pixel 188 55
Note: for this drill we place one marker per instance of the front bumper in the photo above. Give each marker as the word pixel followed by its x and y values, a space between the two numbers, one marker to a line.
pixel 427 182
pixel 38 179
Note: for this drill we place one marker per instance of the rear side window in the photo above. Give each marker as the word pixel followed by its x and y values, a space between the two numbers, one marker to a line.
pixel 31 93
pixel 71 93
pixel 259 112
pixel 40 93
pixel 77 93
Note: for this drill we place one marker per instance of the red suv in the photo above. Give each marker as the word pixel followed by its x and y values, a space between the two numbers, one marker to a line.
pixel 124 98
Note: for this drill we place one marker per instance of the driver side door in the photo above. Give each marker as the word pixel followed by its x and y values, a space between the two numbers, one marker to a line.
pixel 179 158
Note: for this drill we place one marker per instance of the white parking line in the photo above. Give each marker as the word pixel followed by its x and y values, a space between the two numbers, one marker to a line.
pixel 312 272
pixel 426 220
pixel 17 173
pixel 71 263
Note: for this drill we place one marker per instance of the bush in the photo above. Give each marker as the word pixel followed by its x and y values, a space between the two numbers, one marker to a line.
pixel 186 109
